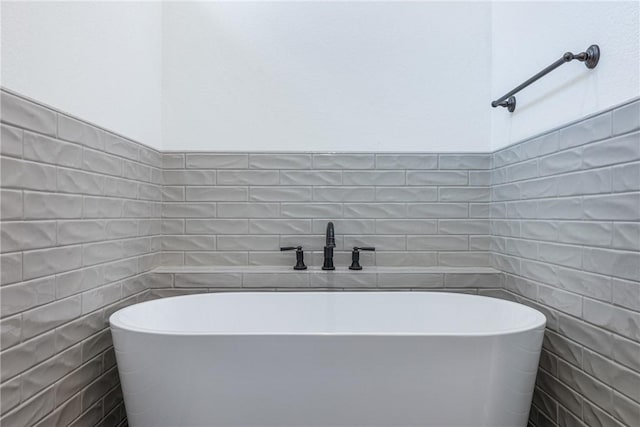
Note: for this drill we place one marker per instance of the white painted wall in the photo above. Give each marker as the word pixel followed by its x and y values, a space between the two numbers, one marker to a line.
pixel 326 76
pixel 100 61
pixel 528 36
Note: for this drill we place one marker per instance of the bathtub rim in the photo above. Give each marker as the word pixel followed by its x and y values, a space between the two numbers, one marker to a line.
pixel 540 321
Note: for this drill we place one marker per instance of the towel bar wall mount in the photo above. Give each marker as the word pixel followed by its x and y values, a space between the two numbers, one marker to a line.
pixel 590 57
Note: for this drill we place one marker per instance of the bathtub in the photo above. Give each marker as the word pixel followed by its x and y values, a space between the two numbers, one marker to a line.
pixel 327 359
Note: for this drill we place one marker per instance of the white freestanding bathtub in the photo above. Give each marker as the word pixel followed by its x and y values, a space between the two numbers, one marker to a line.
pixel 327 359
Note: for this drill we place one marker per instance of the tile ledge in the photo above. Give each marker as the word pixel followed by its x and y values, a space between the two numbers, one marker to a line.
pixel 318 270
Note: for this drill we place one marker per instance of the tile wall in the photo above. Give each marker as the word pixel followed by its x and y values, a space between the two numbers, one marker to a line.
pixel 565 225
pixel 80 208
pixel 239 209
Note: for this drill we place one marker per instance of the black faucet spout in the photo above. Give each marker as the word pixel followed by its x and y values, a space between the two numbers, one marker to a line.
pixel 330 236
pixel 330 243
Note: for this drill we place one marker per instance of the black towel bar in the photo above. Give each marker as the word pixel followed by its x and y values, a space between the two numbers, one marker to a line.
pixel 590 58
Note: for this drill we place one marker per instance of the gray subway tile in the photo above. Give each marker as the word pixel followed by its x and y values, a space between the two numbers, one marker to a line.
pixel 437 178
pixel 568 208
pixel 248 210
pixel 617 150
pixel 437 210
pixel 137 171
pixel 188 243
pixel 315 177
pixel 619 320
pixel 464 194
pixel 11 138
pixel 343 194
pixel 544 187
pixel 48 150
pixel 464 161
pixel 343 161
pixel 569 256
pixel 248 177
pixel 310 210
pixel 10 268
pixel 437 243
pixel 11 206
pixel 82 231
pixel 465 226
pixel 246 243
pixel 562 162
pixel 584 283
pixel 406 194
pixel 173 194
pixel 217 226
pixel 95 253
pixel 406 161
pixel 25 114
pixel 47 317
pixel 406 226
pixel 479 178
pixel 410 280
pixel 27 175
pixel 625 351
pixel 189 177
pixel 560 300
pixel 626 177
pixel 173 161
pixel 463 259
pixel 280 226
pixel 373 178
pixel 593 129
pixel 74 181
pixel 620 207
pixel 403 259
pixel 260 280
pixel 280 161
pixel 76 131
pixel 222 194
pixel 120 146
pixel 208 280
pixel 44 262
pixel 372 210
pixel 217 161
pixel 25 295
pixel 344 226
pixel 280 194
pixel 589 182
pixel 19 236
pixel 582 232
pixel 102 207
pixel 626 235
pixel 521 171
pixel 627 118
pixel 216 258
pixel 99 162
pixel 195 210
pixel 331 279
pixel 387 243
pixel 52 206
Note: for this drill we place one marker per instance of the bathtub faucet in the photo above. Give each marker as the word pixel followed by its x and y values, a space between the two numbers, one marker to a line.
pixel 330 243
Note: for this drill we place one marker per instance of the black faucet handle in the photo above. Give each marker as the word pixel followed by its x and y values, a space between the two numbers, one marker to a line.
pixel 355 256
pixel 299 256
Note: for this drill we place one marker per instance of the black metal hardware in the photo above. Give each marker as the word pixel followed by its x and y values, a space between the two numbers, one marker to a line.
pixel 590 57
pixel 330 243
pixel 355 257
pixel 299 256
